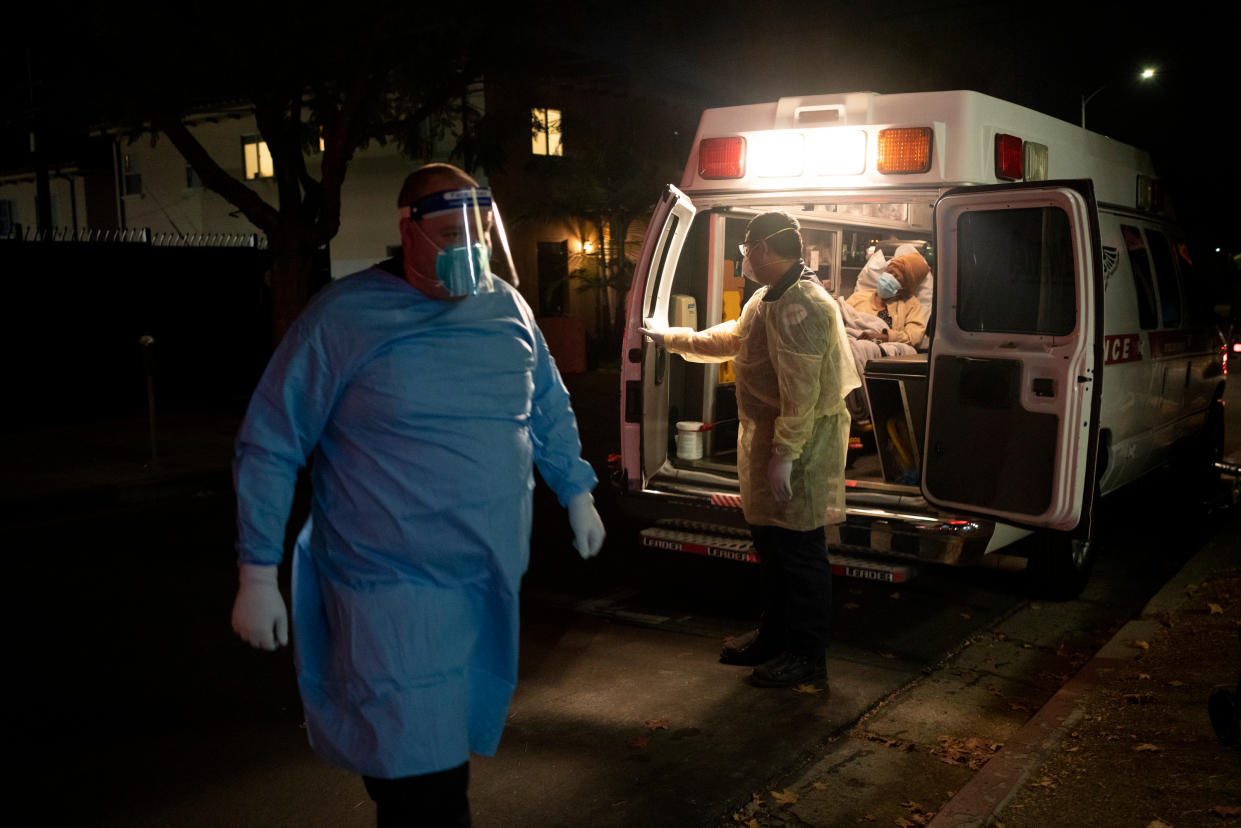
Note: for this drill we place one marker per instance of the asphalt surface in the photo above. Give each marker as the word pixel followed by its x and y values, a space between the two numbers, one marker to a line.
pixel 133 704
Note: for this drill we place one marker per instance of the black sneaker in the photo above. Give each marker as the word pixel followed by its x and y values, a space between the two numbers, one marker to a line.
pixel 789 669
pixel 747 650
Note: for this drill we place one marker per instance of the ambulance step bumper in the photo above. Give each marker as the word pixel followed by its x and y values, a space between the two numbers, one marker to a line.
pixel 732 544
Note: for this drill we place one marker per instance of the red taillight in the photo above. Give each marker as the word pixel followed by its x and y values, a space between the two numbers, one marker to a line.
pixel 721 157
pixel 1009 158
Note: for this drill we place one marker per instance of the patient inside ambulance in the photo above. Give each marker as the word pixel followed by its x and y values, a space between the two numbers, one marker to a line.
pixel 888 325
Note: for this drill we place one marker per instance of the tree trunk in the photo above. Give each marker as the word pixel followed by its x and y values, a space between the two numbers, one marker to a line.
pixel 289 274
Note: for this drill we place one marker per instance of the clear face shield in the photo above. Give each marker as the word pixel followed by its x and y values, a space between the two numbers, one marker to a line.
pixel 455 244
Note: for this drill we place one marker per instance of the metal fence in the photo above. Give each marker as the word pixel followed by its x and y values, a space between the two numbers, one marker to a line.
pixel 136 235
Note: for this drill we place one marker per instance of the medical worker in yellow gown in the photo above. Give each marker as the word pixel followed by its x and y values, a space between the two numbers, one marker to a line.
pixel 794 369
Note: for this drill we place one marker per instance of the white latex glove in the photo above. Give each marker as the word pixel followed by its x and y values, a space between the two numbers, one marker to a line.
pixel 259 613
pixel 655 336
pixel 779 473
pixel 587 526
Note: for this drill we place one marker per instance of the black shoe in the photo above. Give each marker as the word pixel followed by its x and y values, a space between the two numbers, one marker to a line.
pixel 789 669
pixel 747 650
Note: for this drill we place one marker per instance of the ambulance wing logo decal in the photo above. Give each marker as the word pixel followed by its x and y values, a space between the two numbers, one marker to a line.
pixel 1111 256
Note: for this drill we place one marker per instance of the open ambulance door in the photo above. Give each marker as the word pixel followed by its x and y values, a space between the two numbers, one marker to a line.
pixel 1015 360
pixel 644 367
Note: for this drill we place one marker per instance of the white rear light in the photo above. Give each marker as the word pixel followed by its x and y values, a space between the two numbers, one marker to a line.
pixel 721 157
pixel 838 152
pixel 1035 157
pixel 778 154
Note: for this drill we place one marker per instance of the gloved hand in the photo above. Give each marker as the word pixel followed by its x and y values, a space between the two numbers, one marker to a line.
pixel 655 336
pixel 587 526
pixel 779 474
pixel 259 613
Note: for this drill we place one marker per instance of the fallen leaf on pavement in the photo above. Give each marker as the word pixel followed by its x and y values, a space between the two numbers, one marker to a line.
pixel 1157 823
pixel 966 616
pixel 657 724
pixel 807 688
pixel 785 797
pixel 994 690
pixel 1141 645
pixel 1216 609
pixel 1227 811
pixel 1144 675
pixel 1139 698
pixel 972 752
pixel 819 786
pixel 1147 747
pixel 1044 782
pixel 1020 708
pixel 1176 683
pixel 640 741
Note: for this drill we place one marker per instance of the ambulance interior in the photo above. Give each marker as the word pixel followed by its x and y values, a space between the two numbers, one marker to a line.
pixel 846 244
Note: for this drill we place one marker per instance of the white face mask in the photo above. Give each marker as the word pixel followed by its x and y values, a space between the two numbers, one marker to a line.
pixel 888 286
pixel 747 269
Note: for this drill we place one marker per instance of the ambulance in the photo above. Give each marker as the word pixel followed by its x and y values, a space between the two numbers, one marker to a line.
pixel 1071 347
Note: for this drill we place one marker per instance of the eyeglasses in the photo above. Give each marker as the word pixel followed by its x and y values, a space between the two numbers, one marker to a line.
pixel 745 247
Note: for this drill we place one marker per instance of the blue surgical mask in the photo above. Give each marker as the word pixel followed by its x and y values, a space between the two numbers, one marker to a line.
pixel 888 286
pixel 462 268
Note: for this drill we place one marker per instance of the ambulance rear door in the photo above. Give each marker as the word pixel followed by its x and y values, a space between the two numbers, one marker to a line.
pixel 1015 360
pixel 644 368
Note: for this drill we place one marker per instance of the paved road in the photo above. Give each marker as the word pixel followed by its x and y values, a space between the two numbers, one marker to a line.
pixel 134 705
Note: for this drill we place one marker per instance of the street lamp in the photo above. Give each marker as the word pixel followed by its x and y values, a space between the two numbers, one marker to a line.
pixel 1146 74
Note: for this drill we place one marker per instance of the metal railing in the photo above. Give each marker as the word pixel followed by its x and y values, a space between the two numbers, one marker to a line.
pixel 135 235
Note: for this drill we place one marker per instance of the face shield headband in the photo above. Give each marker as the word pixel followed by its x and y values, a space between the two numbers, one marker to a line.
pixel 457 224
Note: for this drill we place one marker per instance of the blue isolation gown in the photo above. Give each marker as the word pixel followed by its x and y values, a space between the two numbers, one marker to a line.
pixel 425 417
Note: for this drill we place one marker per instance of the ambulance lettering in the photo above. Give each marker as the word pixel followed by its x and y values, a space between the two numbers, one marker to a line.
pixel 1121 348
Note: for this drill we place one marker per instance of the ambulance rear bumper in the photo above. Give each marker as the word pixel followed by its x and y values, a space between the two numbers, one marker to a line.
pixel 888 525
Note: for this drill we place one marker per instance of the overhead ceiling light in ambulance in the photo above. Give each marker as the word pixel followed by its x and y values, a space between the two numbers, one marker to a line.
pixel 838 152
pixel 778 154
pixel 721 157
pixel 904 150
pixel 1009 159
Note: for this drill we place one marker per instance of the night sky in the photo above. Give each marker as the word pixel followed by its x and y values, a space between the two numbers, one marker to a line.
pixel 1044 55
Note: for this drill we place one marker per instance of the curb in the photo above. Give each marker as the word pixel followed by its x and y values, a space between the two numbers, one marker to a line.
pixel 986 794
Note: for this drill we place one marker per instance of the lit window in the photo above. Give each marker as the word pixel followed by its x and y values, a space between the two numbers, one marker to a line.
pixel 545 132
pixel 257 157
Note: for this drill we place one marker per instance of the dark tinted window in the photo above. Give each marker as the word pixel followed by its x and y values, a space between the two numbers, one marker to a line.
pixel 1143 284
pixel 1165 277
pixel 1015 271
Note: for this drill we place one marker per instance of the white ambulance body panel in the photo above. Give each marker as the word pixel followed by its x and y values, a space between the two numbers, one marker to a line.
pixel 1142 378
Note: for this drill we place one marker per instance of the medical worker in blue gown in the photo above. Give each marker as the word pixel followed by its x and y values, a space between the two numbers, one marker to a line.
pixel 424 392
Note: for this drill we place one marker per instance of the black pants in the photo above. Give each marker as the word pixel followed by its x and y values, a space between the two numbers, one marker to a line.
pixel 435 800
pixel 796 588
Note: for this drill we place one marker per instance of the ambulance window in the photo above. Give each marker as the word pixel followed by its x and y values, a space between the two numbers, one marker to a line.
pixel 1015 271
pixel 1143 284
pixel 1165 273
pixel 1198 303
